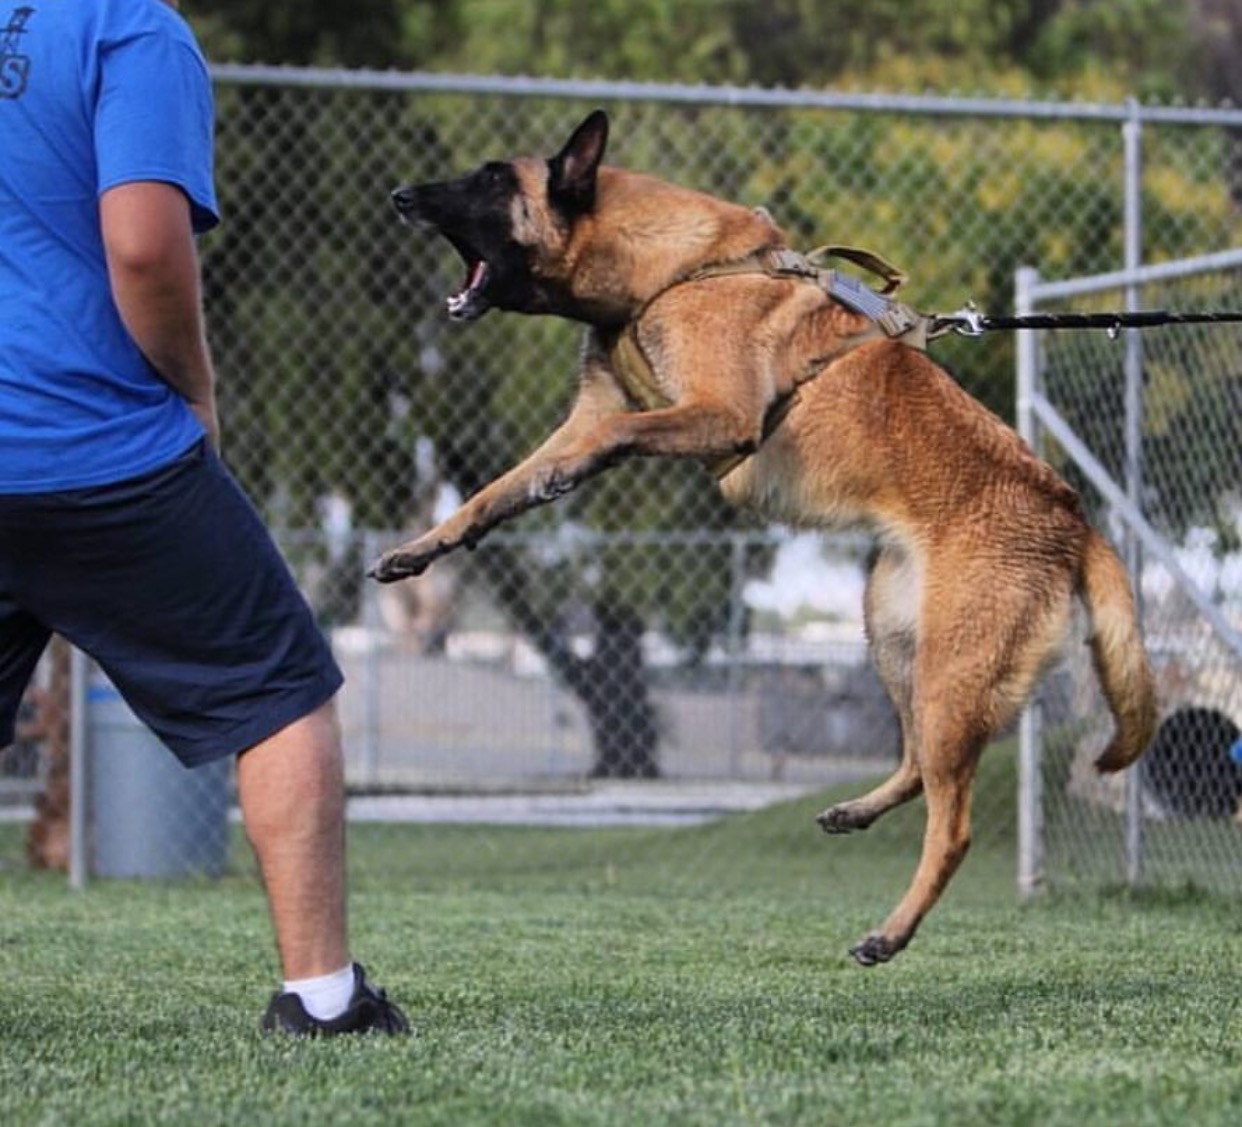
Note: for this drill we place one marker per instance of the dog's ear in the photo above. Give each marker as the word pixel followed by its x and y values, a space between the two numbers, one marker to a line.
pixel 572 172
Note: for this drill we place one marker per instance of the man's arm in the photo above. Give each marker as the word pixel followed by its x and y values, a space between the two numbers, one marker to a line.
pixel 154 271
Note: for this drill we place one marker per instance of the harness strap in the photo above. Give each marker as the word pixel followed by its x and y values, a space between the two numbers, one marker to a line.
pixel 895 319
pixel 890 319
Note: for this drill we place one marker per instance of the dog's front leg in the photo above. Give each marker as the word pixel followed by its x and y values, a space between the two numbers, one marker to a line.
pixel 534 481
pixel 697 430
pixel 700 431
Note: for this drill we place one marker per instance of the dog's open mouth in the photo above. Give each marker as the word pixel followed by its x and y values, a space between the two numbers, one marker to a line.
pixel 471 301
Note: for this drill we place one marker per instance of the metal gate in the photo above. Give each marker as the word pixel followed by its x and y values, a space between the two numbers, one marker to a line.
pixel 1148 425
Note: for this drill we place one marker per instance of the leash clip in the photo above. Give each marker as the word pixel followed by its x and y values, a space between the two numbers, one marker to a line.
pixel 967 321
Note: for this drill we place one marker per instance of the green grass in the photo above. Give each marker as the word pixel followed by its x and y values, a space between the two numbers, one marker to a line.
pixel 632 977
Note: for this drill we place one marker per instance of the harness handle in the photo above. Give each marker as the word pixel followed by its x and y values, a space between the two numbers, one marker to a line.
pixel 892 277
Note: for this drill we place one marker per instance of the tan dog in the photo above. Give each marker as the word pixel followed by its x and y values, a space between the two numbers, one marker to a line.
pixel 696 350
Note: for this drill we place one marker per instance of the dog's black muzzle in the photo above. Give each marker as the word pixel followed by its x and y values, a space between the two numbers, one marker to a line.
pixel 405 200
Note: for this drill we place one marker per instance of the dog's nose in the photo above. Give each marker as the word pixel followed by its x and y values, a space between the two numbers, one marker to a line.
pixel 403 199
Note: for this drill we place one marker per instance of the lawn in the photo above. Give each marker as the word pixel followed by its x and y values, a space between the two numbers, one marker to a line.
pixel 693 976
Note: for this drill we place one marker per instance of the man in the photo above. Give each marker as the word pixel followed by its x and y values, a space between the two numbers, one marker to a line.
pixel 119 527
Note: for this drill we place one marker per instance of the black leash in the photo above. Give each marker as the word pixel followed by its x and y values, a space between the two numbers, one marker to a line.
pixel 969 322
pixel 899 321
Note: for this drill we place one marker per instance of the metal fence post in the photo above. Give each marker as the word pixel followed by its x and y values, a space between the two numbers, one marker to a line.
pixel 371 702
pixel 1030 788
pixel 1025 280
pixel 1132 132
pixel 737 578
pixel 79 796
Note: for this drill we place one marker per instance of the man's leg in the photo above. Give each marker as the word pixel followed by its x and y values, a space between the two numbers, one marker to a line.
pixel 292 792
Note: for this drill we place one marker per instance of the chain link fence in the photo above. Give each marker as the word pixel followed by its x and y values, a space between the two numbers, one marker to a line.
pixel 1176 449
pixel 637 635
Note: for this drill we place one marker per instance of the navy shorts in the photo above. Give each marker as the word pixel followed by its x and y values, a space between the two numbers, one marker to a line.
pixel 171 582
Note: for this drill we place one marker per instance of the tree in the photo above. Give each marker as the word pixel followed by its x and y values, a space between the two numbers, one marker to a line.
pixel 350 33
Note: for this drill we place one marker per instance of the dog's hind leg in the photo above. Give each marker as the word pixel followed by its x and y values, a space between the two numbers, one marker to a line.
pixel 890 608
pixel 973 670
pixel 951 746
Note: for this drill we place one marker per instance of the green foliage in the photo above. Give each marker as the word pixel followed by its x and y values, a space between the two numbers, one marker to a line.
pixel 651 40
pixel 333 33
pixel 1148 47
pixel 1148 44
pixel 1151 48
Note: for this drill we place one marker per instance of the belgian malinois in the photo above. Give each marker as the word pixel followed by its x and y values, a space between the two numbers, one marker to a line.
pixel 981 550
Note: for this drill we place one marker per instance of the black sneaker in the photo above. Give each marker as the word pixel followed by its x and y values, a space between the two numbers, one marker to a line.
pixel 369 1011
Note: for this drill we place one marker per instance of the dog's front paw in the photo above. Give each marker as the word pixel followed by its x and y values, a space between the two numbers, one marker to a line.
pixel 875 948
pixel 550 482
pixel 404 562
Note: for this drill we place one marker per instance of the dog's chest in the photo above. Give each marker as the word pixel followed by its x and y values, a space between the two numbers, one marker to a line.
pixel 634 372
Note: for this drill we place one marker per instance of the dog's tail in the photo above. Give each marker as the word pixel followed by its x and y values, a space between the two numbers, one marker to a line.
pixel 1117 648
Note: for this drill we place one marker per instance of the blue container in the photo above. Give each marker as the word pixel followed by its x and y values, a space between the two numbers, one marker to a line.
pixel 151 818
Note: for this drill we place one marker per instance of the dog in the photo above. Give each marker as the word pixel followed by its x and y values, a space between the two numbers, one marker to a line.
pixel 805 412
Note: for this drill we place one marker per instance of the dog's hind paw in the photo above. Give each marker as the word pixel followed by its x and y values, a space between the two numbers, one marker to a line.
pixel 841 819
pixel 874 949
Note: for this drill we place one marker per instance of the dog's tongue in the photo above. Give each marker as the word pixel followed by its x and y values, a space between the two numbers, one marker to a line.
pixel 469 302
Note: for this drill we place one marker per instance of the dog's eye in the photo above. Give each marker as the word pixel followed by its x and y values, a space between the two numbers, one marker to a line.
pixel 492 175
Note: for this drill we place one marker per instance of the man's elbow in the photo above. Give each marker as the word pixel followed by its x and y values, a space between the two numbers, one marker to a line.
pixel 146 229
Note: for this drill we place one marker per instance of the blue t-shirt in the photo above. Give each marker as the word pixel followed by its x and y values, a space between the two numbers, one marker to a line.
pixel 93 94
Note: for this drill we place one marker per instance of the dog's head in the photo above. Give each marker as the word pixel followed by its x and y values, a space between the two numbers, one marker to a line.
pixel 569 236
pixel 511 222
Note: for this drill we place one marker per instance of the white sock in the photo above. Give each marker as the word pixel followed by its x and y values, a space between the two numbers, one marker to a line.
pixel 326 996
